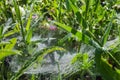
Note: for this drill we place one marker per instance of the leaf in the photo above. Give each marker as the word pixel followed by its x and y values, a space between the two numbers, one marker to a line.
pixel 12 44
pixel 90 34
pixel 107 31
pixel 29 22
pixel 74 8
pixel 87 7
pixel 6 52
pixel 79 35
pixel 85 58
pixel 96 4
pixel 112 44
pixel 77 57
pixel 29 19
pixel 79 15
pixel 66 37
pixel 28 36
pixel 107 72
pixel 77 12
pixel 9 33
pixel 17 10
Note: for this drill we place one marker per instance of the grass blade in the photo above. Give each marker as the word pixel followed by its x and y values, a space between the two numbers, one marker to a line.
pixel 6 52
pixel 106 35
pixel 29 35
pixel 12 44
pixel 17 10
pixel 86 39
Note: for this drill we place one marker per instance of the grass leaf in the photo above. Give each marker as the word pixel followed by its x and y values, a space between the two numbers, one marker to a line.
pixel 6 52
pixel 12 44
pixel 107 31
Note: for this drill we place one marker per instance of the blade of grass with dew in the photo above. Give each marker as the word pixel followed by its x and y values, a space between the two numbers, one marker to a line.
pixel 37 56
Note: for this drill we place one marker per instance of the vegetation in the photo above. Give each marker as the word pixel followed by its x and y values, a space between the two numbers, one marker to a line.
pixel 25 24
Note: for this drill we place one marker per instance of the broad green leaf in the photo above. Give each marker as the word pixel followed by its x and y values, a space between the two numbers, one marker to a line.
pixel 85 58
pixel 17 28
pixel 79 35
pixel 107 72
pixel 29 35
pixel 29 19
pixel 28 28
pixel 117 70
pixel 6 52
pixel 69 29
pixel 29 22
pixel 77 57
pixel 12 44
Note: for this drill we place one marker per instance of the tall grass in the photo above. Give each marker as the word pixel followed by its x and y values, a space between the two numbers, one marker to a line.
pixel 102 65
pixel 89 21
